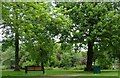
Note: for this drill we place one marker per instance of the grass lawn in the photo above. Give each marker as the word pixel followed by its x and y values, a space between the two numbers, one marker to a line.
pixel 77 73
pixel 39 73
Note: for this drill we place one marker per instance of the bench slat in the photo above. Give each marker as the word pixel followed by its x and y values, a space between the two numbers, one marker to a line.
pixel 33 68
pixel 30 68
pixel 38 68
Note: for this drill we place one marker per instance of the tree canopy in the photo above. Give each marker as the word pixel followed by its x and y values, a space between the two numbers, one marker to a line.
pixel 38 26
pixel 92 23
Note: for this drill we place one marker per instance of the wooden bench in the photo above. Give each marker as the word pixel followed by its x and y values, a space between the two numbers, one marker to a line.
pixel 33 68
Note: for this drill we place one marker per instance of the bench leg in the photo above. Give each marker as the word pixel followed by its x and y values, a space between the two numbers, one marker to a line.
pixel 42 64
pixel 43 71
pixel 25 70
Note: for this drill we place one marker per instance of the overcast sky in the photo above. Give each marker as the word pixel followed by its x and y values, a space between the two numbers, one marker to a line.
pixel 0 34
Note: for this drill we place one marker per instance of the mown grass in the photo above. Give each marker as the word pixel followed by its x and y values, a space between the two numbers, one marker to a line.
pixel 39 73
pixel 59 73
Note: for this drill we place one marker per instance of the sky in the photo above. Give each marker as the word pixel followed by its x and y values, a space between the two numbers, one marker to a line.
pixel 0 34
pixel 0 29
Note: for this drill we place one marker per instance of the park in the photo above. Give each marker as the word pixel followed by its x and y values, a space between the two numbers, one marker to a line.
pixel 60 40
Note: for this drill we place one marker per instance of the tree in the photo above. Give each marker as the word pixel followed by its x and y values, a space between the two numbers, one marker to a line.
pixel 91 23
pixel 12 16
pixel 35 25
pixel 41 30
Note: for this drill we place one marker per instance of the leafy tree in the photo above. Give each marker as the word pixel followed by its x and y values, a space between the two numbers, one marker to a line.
pixel 35 25
pixel 13 16
pixel 91 23
pixel 41 28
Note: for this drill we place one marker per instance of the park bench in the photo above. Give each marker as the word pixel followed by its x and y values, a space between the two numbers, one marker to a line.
pixel 33 68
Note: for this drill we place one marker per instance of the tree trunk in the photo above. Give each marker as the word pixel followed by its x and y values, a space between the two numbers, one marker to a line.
pixel 42 64
pixel 17 51
pixel 89 56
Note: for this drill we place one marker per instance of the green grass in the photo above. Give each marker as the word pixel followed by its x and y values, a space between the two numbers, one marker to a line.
pixel 39 73
pixel 79 73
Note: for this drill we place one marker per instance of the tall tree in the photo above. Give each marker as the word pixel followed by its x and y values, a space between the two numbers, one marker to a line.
pixel 35 24
pixel 90 24
pixel 12 16
pixel 42 24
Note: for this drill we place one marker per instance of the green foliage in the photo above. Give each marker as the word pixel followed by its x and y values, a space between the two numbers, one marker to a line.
pixel 66 60
pixel 36 25
pixel 8 58
pixel 66 57
pixel 74 24
pixel 28 63
pixel 26 60
pixel 94 22
pixel 105 63
pixel 7 43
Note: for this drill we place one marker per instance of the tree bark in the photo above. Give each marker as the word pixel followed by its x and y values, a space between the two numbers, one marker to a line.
pixel 17 51
pixel 89 56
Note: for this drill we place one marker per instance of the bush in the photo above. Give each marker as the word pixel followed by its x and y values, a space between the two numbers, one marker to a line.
pixel 104 63
pixel 28 63
pixel 78 67
pixel 8 58
pixel 66 60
